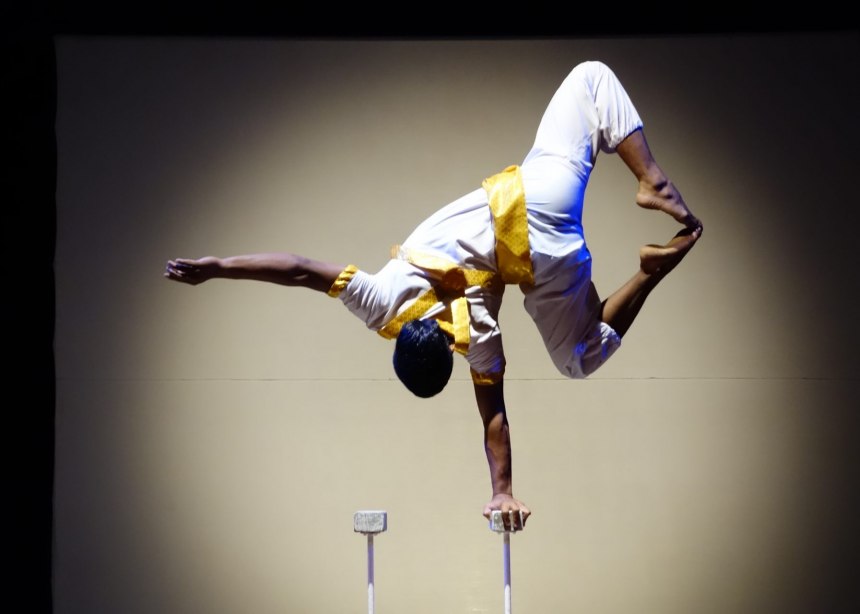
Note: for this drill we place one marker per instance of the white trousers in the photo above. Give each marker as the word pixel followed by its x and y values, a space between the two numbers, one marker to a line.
pixel 589 113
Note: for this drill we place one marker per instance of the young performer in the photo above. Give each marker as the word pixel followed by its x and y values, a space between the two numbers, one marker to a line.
pixel 441 291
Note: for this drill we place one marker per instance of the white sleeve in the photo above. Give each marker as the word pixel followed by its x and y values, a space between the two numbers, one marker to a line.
pixel 486 355
pixel 376 299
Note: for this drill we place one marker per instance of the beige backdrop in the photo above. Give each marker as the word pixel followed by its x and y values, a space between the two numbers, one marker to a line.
pixel 214 442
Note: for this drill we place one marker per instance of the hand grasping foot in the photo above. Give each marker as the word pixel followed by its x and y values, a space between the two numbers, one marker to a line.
pixel 660 259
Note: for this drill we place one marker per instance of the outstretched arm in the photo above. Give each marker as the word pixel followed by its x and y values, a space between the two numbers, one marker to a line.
pixel 278 268
pixel 497 443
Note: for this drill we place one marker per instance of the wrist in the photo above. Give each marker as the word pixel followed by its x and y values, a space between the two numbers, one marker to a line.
pixel 226 268
pixel 503 489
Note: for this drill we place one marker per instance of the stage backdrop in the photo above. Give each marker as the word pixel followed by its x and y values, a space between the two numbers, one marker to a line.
pixel 213 442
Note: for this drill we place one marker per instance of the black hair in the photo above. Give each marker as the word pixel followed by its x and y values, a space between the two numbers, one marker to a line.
pixel 423 359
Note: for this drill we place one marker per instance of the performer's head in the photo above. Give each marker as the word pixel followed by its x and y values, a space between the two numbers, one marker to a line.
pixel 423 359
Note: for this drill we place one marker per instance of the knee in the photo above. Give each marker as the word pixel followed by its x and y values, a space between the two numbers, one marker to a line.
pixel 591 73
pixel 592 68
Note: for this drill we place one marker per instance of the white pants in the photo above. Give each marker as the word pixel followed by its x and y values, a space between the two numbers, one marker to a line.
pixel 589 113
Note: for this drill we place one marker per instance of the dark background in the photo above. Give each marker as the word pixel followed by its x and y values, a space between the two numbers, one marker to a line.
pixel 30 199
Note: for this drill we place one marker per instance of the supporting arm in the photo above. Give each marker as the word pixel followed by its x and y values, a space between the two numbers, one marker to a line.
pixel 497 444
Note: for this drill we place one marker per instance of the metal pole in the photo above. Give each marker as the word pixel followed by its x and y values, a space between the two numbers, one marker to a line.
pixel 506 562
pixel 370 603
pixel 369 523
pixel 515 522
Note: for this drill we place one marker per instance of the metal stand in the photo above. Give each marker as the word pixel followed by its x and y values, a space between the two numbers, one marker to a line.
pixel 369 523
pixel 497 524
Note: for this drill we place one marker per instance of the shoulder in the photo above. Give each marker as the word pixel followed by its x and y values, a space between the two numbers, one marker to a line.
pixel 376 298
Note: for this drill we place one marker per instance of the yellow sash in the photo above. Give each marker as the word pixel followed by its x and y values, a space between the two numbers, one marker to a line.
pixel 448 278
pixel 508 204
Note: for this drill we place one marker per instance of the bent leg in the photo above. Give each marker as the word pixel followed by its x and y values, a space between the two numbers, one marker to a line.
pixel 589 112
pixel 592 112
pixel 656 191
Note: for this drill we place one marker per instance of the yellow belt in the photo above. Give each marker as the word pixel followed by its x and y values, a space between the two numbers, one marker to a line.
pixel 450 279
pixel 508 204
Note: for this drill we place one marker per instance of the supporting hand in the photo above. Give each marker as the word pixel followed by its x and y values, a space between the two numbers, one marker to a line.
pixel 506 503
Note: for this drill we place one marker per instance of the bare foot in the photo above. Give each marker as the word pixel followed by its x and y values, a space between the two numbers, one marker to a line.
pixel 665 197
pixel 660 259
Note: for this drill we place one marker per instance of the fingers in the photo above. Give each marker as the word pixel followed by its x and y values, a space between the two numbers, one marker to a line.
pixel 182 270
pixel 515 519
pixel 683 240
pixel 514 513
pixel 692 222
pixel 524 516
pixel 509 521
pixel 663 258
pixel 181 264
pixel 657 253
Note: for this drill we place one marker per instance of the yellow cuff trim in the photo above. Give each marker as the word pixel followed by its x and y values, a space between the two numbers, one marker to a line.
pixel 342 280
pixel 486 379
